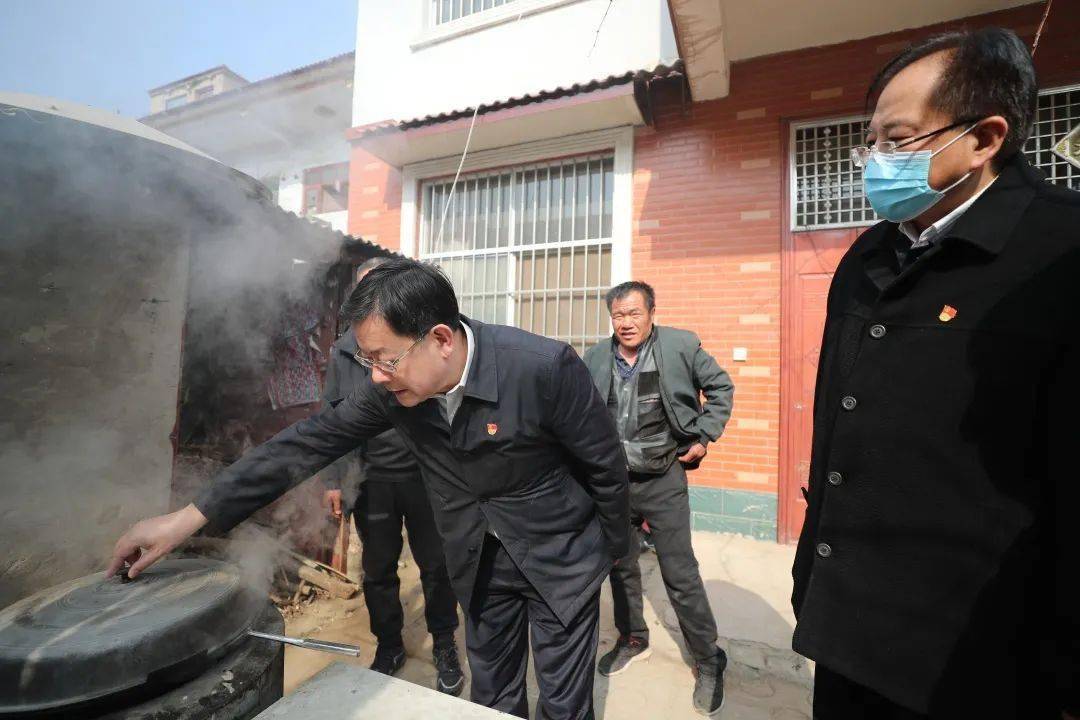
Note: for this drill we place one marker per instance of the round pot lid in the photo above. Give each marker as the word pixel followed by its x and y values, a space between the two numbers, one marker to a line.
pixel 95 637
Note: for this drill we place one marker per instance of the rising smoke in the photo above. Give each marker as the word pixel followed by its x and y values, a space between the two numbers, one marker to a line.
pixel 121 259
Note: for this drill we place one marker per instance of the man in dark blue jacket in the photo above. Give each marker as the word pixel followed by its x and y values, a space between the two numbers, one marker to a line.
pixel 392 494
pixel 521 461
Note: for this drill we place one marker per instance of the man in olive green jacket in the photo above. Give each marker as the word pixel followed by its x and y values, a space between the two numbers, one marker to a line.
pixel 652 379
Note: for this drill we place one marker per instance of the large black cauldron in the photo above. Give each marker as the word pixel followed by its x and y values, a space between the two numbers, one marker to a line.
pixel 176 637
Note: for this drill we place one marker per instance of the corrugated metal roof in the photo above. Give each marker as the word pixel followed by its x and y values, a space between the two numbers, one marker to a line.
pixel 660 71
pixel 345 241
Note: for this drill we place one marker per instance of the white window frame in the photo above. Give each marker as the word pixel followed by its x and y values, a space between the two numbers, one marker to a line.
pixel 432 34
pixel 793 175
pixel 618 141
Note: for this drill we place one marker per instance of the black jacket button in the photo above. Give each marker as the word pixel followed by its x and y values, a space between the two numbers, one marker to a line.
pixel 824 550
pixel 877 332
pixel 849 403
pixel 835 478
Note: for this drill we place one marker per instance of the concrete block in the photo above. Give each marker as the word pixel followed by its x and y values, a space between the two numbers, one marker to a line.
pixel 349 692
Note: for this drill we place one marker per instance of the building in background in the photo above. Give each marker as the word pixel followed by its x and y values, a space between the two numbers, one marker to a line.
pixel 194 87
pixel 698 145
pixel 288 131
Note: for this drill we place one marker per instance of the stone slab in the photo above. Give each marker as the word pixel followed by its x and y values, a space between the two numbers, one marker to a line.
pixel 343 691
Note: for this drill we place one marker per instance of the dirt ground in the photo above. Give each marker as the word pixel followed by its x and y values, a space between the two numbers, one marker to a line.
pixel 748 583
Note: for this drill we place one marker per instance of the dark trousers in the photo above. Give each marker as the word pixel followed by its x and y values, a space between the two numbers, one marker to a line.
pixel 1031 698
pixel 663 501
pixel 379 512
pixel 506 612
pixel 837 698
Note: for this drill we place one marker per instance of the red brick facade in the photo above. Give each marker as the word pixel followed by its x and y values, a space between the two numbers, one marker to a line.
pixel 374 200
pixel 709 209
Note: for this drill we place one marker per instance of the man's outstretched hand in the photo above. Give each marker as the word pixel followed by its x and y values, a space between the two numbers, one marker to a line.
pixel 148 540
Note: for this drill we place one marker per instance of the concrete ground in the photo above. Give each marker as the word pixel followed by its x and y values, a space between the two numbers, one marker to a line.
pixel 749 585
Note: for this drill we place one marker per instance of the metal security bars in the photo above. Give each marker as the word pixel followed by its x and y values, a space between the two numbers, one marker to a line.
pixel 1058 113
pixel 827 188
pixel 528 246
pixel 444 11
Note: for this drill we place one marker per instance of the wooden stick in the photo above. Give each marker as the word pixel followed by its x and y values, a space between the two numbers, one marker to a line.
pixel 335 587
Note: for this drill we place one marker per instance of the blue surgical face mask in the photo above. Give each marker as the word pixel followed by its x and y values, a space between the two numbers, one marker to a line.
pixel 898 184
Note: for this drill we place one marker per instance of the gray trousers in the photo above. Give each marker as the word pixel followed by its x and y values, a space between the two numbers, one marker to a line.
pixel 664 502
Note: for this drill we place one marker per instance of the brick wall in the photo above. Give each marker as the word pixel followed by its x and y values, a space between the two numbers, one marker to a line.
pixel 708 226
pixel 708 214
pixel 374 200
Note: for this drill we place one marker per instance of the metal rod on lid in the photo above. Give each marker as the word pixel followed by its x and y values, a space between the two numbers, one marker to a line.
pixel 323 645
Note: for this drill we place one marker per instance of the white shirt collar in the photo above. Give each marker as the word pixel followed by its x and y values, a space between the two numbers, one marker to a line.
pixel 470 344
pixel 931 234
pixel 450 401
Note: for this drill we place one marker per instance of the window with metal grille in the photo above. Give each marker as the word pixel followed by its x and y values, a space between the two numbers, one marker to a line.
pixel 528 246
pixel 444 11
pixel 1059 112
pixel 826 188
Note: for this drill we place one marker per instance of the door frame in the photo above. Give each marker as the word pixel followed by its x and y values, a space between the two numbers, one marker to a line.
pixel 790 318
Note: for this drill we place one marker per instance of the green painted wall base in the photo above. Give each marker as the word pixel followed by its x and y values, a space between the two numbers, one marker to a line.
pixel 734 511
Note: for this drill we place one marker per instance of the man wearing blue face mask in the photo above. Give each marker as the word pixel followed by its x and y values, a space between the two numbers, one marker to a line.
pixel 935 572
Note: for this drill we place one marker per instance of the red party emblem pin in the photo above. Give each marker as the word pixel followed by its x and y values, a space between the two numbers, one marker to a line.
pixel 492 428
pixel 947 313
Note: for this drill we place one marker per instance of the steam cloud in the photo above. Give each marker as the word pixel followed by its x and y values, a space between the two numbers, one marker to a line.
pixel 118 255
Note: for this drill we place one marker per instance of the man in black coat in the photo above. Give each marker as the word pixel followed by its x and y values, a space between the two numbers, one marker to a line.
pixel 393 495
pixel 520 459
pixel 933 577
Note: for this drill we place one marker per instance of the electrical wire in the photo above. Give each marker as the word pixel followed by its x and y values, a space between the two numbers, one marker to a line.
pixel 1038 33
pixel 472 126
pixel 600 27
pixel 453 185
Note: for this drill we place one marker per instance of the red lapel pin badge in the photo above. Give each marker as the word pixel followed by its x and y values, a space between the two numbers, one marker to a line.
pixel 947 313
pixel 492 428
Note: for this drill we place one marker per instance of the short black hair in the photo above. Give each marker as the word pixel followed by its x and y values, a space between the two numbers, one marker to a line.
pixel 622 290
pixel 412 297
pixel 987 72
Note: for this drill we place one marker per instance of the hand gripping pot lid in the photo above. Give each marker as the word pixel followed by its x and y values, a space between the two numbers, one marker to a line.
pixel 97 637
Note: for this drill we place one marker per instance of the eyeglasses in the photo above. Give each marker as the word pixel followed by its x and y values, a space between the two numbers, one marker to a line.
pixel 388 366
pixel 860 155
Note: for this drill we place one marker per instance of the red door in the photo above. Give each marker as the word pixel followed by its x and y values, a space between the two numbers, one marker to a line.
pixel 811 259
